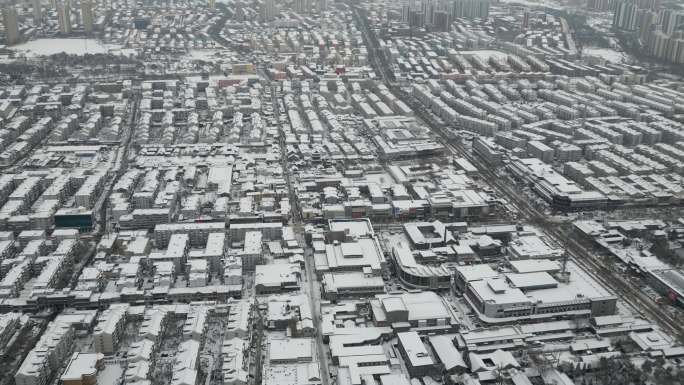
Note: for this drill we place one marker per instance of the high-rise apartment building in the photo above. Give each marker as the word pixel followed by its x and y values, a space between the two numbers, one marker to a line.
pixel 9 19
pixel 64 17
pixel 87 15
pixel 268 10
pixel 439 14
pixel 37 11
pixel 660 31
pixel 626 15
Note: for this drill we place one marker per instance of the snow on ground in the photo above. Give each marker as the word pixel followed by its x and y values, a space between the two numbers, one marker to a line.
pixel 608 54
pixel 602 21
pixel 110 375
pixel 202 54
pixel 484 54
pixel 70 46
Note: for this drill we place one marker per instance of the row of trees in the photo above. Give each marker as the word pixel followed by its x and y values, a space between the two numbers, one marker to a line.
pixel 622 371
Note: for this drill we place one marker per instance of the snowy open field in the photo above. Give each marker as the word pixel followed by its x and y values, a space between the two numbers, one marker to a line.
pixel 607 54
pixel 69 46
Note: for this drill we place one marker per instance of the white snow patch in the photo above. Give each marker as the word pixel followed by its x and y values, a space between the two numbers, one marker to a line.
pixel 607 54
pixel 41 47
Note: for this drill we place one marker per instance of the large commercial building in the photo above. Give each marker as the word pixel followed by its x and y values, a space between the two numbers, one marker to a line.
pixel 513 297
pixel 351 284
pixel 555 188
pixel 433 276
pixel 422 311
pixel 277 278
pixel 353 255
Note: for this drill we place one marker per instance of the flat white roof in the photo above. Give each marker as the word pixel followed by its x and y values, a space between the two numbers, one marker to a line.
pixel 336 281
pixel 476 272
pixel 420 305
pixel 446 351
pixel 290 349
pixel 496 290
pixel 293 374
pixel 415 349
pixel 394 379
pixel 533 246
pixel 362 252
pixel 276 274
pixel 215 226
pixel 355 228
pixel 534 265
pixel 540 279
pixel 81 364
pixel 580 285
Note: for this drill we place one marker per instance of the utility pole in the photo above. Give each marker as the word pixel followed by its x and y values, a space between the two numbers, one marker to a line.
pixel 564 262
